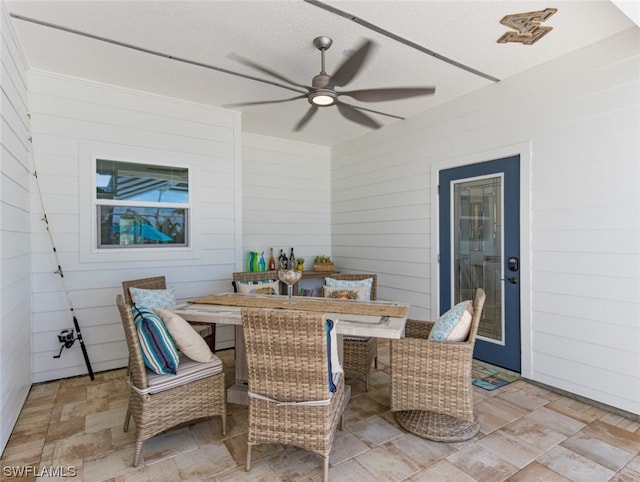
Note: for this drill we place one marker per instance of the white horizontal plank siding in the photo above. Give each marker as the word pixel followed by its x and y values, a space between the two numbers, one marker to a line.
pixel 73 119
pixel 15 303
pixel 581 116
pixel 381 219
pixel 286 194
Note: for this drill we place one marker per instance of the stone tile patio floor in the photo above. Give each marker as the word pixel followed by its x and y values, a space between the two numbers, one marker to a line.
pixel 527 433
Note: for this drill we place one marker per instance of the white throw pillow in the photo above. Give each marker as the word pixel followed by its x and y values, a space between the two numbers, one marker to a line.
pixel 356 293
pixel 267 287
pixel 188 341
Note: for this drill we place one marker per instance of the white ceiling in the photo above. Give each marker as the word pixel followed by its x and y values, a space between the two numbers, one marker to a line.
pixel 279 34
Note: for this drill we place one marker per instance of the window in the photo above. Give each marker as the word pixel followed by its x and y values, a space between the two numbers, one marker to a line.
pixel 141 205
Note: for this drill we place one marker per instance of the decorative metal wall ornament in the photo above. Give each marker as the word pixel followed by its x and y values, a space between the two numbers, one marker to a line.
pixel 527 26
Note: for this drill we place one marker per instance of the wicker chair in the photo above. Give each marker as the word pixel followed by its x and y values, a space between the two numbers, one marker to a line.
pixel 287 362
pixel 431 390
pixel 360 352
pixel 206 330
pixel 159 402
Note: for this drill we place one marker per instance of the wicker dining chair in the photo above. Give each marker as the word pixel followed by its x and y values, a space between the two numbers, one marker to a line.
pixel 288 370
pixel 360 352
pixel 431 390
pixel 159 402
pixel 205 330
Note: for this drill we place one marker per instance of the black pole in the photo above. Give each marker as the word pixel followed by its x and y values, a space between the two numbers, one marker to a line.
pixel 84 348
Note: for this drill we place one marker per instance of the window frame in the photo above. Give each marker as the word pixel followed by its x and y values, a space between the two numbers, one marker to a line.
pixel 88 229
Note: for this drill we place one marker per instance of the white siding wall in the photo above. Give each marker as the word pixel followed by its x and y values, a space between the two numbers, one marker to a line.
pixel 15 300
pixel 581 116
pixel 72 118
pixel 285 197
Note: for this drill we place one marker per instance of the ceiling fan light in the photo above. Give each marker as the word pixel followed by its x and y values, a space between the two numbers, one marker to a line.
pixel 322 98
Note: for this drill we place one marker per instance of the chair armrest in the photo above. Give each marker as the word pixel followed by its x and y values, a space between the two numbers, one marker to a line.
pixel 418 329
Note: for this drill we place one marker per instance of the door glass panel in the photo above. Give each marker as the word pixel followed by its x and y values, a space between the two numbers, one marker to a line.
pixel 477 249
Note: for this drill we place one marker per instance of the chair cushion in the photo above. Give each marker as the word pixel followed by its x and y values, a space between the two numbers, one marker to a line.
pixel 342 293
pixel 187 339
pixel 454 325
pixel 188 371
pixel 264 287
pixel 159 351
pixel 343 283
pixel 153 298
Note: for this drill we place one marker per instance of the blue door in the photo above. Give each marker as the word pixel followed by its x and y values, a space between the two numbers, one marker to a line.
pixel 479 210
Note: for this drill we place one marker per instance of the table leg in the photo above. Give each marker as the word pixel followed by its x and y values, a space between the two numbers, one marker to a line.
pixel 237 393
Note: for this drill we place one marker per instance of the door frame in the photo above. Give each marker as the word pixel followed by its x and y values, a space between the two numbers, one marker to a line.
pixel 524 150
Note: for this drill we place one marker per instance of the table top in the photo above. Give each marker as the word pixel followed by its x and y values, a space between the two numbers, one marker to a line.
pixel 346 324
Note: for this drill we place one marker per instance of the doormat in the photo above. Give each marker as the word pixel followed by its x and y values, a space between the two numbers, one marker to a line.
pixel 490 378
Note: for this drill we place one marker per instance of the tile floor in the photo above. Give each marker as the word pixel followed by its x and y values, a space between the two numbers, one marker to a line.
pixel 526 434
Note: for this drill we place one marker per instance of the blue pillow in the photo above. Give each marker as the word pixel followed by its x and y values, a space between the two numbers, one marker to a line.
pixel 153 298
pixel 332 386
pixel 159 351
pixel 455 322
pixel 333 359
pixel 343 283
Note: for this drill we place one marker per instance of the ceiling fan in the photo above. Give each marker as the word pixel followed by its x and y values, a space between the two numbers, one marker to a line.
pixel 322 91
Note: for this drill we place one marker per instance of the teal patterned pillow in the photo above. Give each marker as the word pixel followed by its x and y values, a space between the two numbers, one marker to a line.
pixel 343 283
pixel 452 325
pixel 159 351
pixel 153 298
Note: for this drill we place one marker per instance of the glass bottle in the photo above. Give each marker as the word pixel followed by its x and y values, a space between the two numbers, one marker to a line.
pixel 281 260
pixel 272 261
pixel 262 265
pixel 253 260
pixel 292 260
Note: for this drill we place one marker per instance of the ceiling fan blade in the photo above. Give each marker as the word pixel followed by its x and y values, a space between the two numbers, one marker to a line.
pixel 265 70
pixel 391 93
pixel 350 67
pixel 355 115
pixel 306 118
pixel 260 102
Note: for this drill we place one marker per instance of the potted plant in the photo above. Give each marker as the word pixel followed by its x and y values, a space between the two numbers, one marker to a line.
pixel 323 263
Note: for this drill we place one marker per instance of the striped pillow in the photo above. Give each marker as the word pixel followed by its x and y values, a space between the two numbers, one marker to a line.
pixel 158 348
pixel 333 360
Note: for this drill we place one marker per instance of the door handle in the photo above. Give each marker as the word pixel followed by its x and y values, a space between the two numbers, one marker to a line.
pixel 513 280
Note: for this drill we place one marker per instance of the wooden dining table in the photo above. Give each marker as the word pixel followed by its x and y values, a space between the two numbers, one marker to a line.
pixel 380 319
